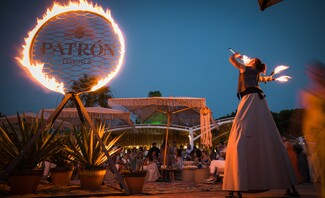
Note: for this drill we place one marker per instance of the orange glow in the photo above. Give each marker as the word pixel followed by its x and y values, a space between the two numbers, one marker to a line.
pixel 246 59
pixel 35 69
pixel 280 68
pixel 283 78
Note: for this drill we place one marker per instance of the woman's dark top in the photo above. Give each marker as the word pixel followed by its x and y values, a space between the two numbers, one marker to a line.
pixel 248 83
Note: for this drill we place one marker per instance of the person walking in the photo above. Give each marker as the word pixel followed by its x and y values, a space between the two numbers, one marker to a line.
pixel 313 99
pixel 256 157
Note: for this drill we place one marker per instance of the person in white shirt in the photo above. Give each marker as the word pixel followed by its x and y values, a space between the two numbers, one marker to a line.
pixel 216 167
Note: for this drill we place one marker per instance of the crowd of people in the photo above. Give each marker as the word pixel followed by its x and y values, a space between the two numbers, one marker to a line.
pixel 152 160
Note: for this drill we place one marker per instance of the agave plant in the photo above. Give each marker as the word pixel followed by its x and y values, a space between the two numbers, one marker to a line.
pixel 62 159
pixel 14 136
pixel 86 149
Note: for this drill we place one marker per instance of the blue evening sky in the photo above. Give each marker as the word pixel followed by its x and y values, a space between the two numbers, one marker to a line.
pixel 180 48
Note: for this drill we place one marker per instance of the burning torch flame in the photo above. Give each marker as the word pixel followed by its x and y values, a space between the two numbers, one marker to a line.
pixel 244 58
pixel 35 69
pixel 283 78
pixel 278 69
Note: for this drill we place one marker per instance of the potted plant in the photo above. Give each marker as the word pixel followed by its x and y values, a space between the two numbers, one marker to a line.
pixel 134 178
pixel 62 172
pixel 12 139
pixel 87 151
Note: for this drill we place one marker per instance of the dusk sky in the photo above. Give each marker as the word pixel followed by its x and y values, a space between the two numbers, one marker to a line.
pixel 180 48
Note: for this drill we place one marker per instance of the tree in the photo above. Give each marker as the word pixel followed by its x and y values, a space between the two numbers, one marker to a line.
pixel 289 122
pixel 154 94
pixel 296 122
pixel 232 114
pixel 90 99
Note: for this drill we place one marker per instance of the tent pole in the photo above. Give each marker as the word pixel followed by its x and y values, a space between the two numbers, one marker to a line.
pixel 166 140
pixel 191 137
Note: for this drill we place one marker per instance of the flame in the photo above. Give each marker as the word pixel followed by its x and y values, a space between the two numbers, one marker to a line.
pixel 35 69
pixel 246 59
pixel 283 78
pixel 280 68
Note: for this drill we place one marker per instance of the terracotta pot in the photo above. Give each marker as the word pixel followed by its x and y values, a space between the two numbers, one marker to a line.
pixel 135 181
pixel 61 177
pixel 25 182
pixel 91 179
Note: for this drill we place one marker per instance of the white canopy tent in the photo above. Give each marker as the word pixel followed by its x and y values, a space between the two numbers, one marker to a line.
pixel 184 111
pixel 29 116
pixel 111 117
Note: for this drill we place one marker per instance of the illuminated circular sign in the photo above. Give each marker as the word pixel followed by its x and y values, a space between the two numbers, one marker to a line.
pixel 74 48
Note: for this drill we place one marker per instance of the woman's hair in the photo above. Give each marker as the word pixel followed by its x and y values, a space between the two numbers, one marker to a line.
pixel 259 65
pixel 149 155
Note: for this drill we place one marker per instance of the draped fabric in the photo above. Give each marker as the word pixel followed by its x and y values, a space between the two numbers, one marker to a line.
pixel 206 135
pixel 184 111
pixel 159 101
pixel 256 158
